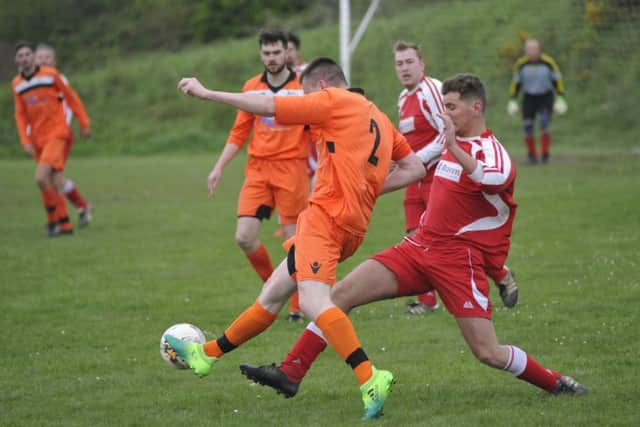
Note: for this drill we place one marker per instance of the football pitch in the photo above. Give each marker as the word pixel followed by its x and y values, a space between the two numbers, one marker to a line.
pixel 81 317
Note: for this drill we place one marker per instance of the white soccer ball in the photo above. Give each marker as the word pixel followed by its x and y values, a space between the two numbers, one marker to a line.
pixel 184 331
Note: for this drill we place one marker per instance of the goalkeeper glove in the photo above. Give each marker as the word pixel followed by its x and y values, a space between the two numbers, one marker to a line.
pixel 560 105
pixel 512 107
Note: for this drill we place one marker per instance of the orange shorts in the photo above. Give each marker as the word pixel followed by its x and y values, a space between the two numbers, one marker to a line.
pixel 283 184
pixel 53 153
pixel 318 246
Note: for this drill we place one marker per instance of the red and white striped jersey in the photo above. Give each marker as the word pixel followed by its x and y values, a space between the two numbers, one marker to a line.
pixel 419 110
pixel 476 208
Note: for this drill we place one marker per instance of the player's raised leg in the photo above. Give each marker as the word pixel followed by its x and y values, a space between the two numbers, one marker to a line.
pixel 253 321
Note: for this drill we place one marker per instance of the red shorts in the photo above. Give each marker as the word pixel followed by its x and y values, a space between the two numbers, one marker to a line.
pixel 456 271
pixel 320 245
pixel 416 197
pixel 283 184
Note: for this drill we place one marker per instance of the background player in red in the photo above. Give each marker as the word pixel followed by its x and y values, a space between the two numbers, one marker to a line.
pixel 44 132
pixel 420 107
pixel 468 221
pixel 359 143
pixel 276 171
pixel 46 55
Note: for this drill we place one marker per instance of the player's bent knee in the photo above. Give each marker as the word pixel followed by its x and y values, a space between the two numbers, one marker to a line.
pixel 246 241
pixel 340 296
pixel 488 356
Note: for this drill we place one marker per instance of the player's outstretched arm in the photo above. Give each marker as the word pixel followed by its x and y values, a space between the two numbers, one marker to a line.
pixel 408 169
pixel 262 105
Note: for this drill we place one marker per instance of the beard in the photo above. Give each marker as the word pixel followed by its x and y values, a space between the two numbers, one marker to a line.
pixel 277 71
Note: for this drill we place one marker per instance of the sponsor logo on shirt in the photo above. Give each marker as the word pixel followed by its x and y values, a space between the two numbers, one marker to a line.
pixel 449 170
pixel 407 125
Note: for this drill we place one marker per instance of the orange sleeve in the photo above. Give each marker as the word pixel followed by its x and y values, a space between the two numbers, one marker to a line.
pixel 401 148
pixel 241 128
pixel 312 109
pixel 21 118
pixel 73 101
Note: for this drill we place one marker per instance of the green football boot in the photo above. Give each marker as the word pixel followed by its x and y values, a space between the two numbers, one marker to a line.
pixel 375 392
pixel 193 354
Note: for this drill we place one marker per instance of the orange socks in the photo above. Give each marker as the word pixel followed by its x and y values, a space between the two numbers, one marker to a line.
pixel 339 332
pixel 251 322
pixel 50 201
pixel 62 214
pixel 261 262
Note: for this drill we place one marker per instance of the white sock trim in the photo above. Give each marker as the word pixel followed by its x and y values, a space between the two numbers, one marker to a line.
pixel 68 186
pixel 314 328
pixel 517 361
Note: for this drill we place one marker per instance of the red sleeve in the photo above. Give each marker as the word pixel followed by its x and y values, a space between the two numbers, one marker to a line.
pixel 312 109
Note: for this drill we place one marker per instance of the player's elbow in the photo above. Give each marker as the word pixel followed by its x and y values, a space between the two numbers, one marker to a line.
pixel 417 169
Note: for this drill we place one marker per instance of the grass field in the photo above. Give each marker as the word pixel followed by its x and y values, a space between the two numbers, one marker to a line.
pixel 82 316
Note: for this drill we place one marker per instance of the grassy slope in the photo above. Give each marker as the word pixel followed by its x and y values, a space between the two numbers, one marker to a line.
pixel 82 316
pixel 136 108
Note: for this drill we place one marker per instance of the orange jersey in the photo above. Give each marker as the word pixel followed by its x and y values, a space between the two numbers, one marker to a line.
pixel 271 139
pixel 357 145
pixel 39 110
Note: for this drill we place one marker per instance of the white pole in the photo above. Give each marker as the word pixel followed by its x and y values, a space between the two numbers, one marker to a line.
pixel 373 6
pixel 345 35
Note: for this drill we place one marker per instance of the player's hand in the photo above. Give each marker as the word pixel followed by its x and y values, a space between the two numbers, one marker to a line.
pixel 191 86
pixel 29 149
pixel 449 129
pixel 213 180
pixel 560 105
pixel 85 133
pixel 512 107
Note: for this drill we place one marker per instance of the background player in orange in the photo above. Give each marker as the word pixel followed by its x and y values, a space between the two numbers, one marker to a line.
pixel 358 144
pixel 420 107
pixel 276 170
pixel 46 55
pixel 44 131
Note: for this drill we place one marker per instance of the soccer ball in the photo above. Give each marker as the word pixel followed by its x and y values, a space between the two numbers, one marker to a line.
pixel 184 331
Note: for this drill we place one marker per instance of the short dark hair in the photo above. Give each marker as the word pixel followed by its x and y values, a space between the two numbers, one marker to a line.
pixel 324 69
pixel 468 86
pixel 23 43
pixel 272 37
pixel 401 46
pixel 293 38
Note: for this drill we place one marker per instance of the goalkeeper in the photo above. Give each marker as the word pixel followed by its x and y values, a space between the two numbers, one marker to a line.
pixel 539 77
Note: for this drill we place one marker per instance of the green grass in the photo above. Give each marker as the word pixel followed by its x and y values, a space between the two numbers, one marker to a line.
pixel 82 316
pixel 136 108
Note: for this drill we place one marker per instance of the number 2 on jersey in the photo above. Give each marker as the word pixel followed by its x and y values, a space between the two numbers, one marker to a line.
pixel 373 126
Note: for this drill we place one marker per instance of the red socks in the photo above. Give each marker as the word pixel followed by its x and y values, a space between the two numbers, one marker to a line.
pixel 304 352
pixel 530 142
pixel 528 369
pixel 545 139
